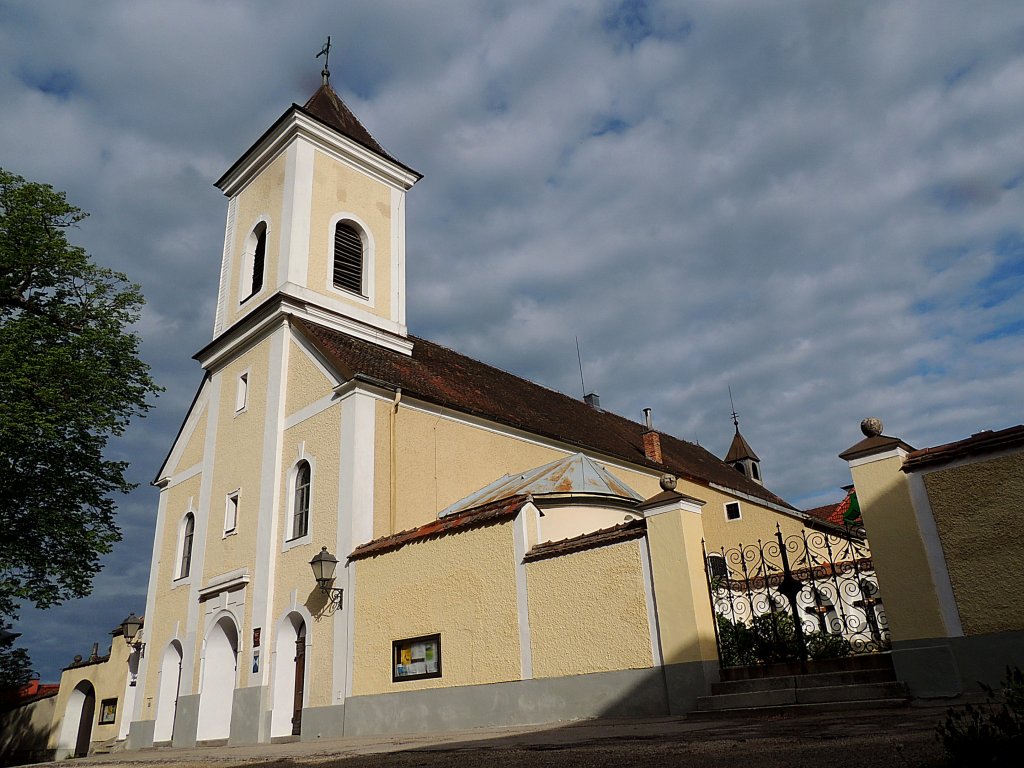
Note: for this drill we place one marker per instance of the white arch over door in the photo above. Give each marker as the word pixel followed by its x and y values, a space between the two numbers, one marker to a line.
pixel 72 723
pixel 219 671
pixel 283 707
pixel 168 691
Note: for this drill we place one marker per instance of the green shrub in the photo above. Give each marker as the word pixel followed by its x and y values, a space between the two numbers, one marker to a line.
pixel 990 734
pixel 825 645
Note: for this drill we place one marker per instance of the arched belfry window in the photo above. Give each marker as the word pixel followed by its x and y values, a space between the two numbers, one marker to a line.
pixel 255 259
pixel 187 533
pixel 348 258
pixel 300 501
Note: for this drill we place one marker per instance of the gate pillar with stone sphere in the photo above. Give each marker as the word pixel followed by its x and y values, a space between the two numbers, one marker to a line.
pixel 686 623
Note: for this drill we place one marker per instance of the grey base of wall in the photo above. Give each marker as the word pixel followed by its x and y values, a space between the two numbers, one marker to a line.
pixel 955 665
pixel 186 721
pixel 247 708
pixel 140 734
pixel 657 692
pixel 626 693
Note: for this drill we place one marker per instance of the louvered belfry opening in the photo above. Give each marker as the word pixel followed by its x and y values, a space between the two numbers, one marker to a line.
pixel 348 258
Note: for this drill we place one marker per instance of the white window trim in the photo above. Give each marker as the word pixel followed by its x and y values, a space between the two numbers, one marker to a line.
pixel 293 474
pixel 177 579
pixel 234 497
pixel 242 384
pixel 739 510
pixel 248 262
pixel 369 260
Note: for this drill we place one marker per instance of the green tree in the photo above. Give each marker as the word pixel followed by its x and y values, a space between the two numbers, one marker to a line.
pixel 70 378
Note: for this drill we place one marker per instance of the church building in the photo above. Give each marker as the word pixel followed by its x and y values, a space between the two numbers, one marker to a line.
pixel 361 531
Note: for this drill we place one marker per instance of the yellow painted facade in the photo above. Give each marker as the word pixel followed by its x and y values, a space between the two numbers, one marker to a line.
pixel 588 612
pixel 194 448
pixel 109 680
pixel 898 549
pixel 462 586
pixel 382 462
pixel 340 189
pixel 261 200
pixel 977 513
pixel 306 382
pixel 684 613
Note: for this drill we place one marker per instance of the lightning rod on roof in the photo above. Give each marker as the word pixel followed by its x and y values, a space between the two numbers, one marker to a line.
pixel 579 359
pixel 735 416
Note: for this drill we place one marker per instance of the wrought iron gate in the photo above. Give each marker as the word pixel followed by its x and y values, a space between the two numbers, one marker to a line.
pixel 808 595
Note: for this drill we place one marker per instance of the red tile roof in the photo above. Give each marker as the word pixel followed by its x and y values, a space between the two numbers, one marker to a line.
pixel 437 375
pixel 632 529
pixel 982 442
pixel 471 518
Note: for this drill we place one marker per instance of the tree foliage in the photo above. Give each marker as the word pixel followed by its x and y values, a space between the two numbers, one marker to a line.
pixel 70 378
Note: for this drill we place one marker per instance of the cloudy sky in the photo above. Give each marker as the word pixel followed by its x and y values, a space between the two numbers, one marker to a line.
pixel 816 203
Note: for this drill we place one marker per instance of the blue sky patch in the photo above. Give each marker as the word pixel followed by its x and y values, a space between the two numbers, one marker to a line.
pixel 610 125
pixel 59 82
pixel 1012 328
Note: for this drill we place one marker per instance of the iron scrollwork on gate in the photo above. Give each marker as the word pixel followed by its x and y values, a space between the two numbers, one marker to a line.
pixel 808 595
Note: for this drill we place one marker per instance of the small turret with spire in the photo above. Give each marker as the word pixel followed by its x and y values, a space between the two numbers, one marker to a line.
pixel 741 456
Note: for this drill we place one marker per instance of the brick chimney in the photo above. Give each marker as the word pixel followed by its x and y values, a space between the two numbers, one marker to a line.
pixel 652 440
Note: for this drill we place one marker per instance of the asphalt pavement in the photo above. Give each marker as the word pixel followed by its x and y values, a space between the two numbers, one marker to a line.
pixel 857 738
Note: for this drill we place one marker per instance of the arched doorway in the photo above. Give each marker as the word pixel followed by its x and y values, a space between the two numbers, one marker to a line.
pixel 220 662
pixel 76 726
pixel 167 693
pixel 289 676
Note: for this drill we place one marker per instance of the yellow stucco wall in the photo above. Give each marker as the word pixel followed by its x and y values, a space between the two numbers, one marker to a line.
pixel 442 460
pixel 977 510
pixel 25 731
pixel 567 522
pixel 261 198
pixel 338 188
pixel 462 586
pixel 108 679
pixel 193 451
pixel 306 382
pixel 320 434
pixel 756 521
pixel 171 594
pixel 588 612
pixel 904 576
pixel 685 619
pixel 239 463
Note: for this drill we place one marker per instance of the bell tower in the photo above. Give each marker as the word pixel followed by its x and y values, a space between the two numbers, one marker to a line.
pixel 316 223
pixel 741 456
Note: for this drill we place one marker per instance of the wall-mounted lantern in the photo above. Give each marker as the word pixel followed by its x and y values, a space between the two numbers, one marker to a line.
pixel 324 565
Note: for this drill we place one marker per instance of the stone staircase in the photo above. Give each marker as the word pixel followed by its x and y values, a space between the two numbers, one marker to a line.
pixel 857 682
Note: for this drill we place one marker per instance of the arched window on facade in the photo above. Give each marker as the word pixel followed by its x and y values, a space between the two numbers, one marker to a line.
pixel 187 533
pixel 254 259
pixel 300 501
pixel 259 258
pixel 348 258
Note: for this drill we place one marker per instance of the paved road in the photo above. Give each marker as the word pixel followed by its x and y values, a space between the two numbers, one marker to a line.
pixel 900 738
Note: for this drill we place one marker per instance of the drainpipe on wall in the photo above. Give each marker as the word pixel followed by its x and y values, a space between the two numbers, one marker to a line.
pixel 392 515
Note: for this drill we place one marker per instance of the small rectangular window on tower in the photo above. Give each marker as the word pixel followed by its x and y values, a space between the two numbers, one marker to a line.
pixel 732 510
pixel 242 392
pixel 231 513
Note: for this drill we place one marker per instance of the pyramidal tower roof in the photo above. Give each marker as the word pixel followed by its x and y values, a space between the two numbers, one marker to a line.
pixel 740 449
pixel 572 475
pixel 327 107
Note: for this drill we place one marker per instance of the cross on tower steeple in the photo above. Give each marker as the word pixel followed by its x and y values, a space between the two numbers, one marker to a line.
pixel 326 53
